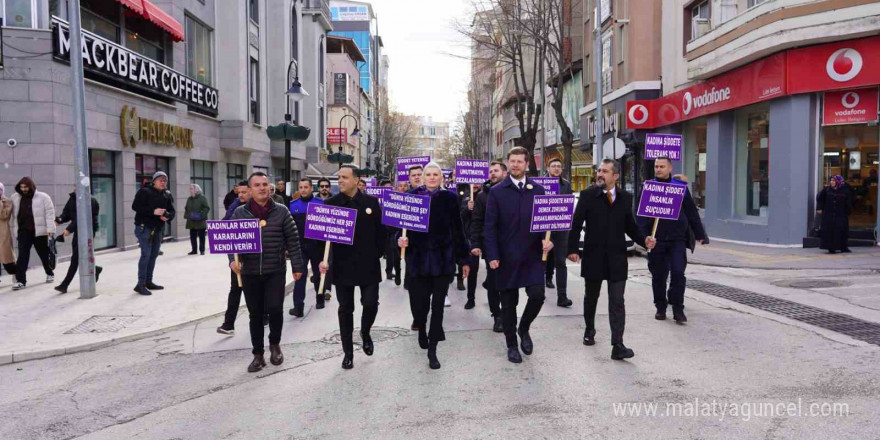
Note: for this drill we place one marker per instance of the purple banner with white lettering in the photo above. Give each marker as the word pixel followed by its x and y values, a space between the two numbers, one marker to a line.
pixel 409 211
pixel 404 163
pixel 330 223
pixel 659 145
pixel 370 181
pixel 661 200
pixel 378 191
pixel 552 213
pixel 550 184
pixel 471 171
pixel 234 236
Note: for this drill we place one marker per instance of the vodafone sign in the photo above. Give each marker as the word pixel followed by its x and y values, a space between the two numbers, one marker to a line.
pixel 824 67
pixel 858 106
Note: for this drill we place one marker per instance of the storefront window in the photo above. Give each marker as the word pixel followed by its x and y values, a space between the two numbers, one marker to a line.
pixel 145 166
pixel 753 161
pixel 103 176
pixel 101 18
pixel 694 164
pixel 852 152
pixel 144 37
pixel 203 176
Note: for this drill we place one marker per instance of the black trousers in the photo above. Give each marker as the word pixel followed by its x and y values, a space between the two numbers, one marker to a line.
pixel 197 234
pixel 10 268
pixel 370 303
pixel 392 259
pixel 492 293
pixel 233 302
pixel 430 293
pixel 556 264
pixel 509 301
pixel 74 262
pixel 264 294
pixel 472 279
pixel 668 257
pixel 27 240
pixel 616 307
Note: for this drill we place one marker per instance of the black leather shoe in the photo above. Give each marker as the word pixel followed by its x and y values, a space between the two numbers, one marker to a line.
pixel 265 320
pixel 388 275
pixel 678 316
pixel 513 355
pixel 296 311
pixel 61 289
pixel 563 302
pixel 461 286
pixel 660 315
pixel 192 253
pixel 347 362
pixel 367 344
pixel 499 325
pixel 276 357
pixel 397 279
pixel 549 284
pixel 153 286
pixel 619 352
pixel 319 305
pixel 590 337
pixel 525 342
pixel 98 270
pixel 433 362
pixel 257 364
pixel 142 290
pixel 414 326
pixel 423 339
pixel 469 304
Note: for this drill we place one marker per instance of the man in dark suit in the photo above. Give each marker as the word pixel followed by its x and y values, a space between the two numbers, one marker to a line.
pixel 669 256
pixel 556 259
pixel 497 173
pixel 515 252
pixel 605 212
pixel 357 265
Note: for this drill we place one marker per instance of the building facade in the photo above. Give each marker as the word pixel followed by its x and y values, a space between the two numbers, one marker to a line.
pixel 429 137
pixel 344 97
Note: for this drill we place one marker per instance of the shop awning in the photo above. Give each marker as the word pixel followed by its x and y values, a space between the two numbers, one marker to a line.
pixel 155 15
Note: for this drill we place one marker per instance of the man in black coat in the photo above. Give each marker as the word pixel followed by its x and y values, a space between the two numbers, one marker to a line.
pixel 357 265
pixel 497 173
pixel 153 207
pixel 69 215
pixel 669 255
pixel 556 259
pixel 605 212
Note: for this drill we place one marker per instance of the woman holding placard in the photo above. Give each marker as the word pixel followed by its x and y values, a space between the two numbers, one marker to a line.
pixel 432 258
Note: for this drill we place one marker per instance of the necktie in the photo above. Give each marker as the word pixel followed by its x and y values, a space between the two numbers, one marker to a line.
pixel 520 185
pixel 610 198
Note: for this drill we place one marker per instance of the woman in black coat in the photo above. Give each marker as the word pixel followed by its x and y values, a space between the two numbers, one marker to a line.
pixel 432 258
pixel 834 203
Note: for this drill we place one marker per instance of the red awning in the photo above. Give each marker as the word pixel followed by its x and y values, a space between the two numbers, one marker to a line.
pixel 162 19
pixel 134 5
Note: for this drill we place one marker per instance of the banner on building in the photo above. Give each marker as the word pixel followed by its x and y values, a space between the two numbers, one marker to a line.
pixel 857 106
pixel 337 135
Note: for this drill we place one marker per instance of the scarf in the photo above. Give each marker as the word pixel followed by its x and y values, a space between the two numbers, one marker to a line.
pixel 261 212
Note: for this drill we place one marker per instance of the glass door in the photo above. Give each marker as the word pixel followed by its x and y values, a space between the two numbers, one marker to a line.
pixel 103 174
pixel 852 151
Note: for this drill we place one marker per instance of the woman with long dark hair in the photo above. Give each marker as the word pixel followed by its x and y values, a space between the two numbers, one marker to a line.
pixel 432 257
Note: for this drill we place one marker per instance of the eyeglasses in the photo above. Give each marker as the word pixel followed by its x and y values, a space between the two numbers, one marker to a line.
pixel 324 186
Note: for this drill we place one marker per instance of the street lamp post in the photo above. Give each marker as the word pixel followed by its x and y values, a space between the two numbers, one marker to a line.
pixel 355 133
pixel 298 93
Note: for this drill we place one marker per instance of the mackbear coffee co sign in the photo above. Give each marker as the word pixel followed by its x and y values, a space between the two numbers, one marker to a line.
pixel 135 129
pixel 110 60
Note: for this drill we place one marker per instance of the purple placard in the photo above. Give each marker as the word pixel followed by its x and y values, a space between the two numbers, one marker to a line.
pixel 330 223
pixel 234 236
pixel 370 181
pixel 550 184
pixel 659 145
pixel 661 200
pixel 403 164
pixel 378 191
pixel 406 211
pixel 552 213
pixel 471 171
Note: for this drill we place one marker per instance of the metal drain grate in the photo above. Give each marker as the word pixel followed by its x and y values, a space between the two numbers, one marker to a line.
pixel 838 322
pixel 377 333
pixel 102 324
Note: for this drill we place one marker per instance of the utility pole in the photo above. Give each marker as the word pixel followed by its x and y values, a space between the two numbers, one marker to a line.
pixel 84 231
pixel 597 51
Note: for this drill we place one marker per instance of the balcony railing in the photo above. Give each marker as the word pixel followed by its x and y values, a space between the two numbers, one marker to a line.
pixel 322 5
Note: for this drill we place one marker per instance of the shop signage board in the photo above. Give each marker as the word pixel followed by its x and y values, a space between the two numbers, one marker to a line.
pixel 856 106
pixel 337 135
pixel 135 129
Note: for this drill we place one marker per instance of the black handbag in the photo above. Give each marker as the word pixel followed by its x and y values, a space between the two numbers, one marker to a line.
pixel 53 251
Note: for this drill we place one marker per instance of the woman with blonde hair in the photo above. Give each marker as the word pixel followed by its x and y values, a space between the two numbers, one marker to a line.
pixel 196 213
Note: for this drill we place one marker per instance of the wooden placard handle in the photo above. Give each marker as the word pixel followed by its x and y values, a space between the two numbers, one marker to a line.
pixel 654 229
pixel 238 275
pixel 546 238
pixel 325 261
pixel 403 250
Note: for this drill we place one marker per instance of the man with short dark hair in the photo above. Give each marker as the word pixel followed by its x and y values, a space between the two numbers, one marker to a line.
pixel 556 259
pixel 325 188
pixel 281 191
pixel 153 207
pixel 514 251
pixel 497 173
pixel 362 185
pixel 233 300
pixel 33 224
pixel 415 176
pixel 299 209
pixel 670 255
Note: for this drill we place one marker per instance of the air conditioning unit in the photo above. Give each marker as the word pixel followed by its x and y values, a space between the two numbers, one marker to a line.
pixel 702 26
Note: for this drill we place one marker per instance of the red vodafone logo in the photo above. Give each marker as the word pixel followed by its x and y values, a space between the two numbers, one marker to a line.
pixel 638 114
pixel 850 99
pixel 844 64
pixel 687 102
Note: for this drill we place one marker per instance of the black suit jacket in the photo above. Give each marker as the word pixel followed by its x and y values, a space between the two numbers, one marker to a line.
pixel 358 264
pixel 604 240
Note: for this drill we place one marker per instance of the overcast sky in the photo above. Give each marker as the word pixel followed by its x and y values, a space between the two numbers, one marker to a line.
pixel 419 36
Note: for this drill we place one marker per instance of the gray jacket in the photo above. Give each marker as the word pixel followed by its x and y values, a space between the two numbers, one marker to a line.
pixel 279 235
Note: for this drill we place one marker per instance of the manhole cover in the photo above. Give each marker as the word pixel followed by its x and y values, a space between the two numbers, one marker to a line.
pixel 811 283
pixel 377 333
pixel 102 324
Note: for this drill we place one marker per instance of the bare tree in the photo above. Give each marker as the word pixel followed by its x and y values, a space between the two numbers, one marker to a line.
pixel 465 137
pixel 395 136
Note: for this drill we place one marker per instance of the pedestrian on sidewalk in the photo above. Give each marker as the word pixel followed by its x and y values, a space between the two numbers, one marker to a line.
pixel 68 214
pixel 556 258
pixel 153 207
pixel 467 220
pixel 356 265
pixel 670 256
pixel 233 300
pixel 514 251
pixel 196 213
pixel 33 224
pixel 605 212
pixel 7 254
pixel 497 173
pixel 834 204
pixel 264 274
pixel 392 252
pixel 433 257
pixel 298 209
